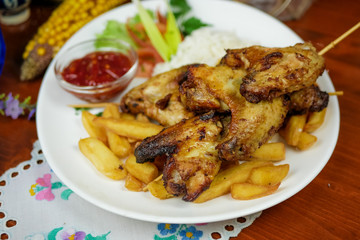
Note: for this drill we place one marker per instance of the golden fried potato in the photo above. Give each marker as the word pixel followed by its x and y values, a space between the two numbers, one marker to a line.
pixel 129 128
pixel 92 129
pixel 142 117
pixel 314 121
pixel 111 111
pixel 118 144
pixel 268 175
pixel 133 184
pixel 293 129
pixel 270 151
pixel 306 140
pixel 222 182
pixel 127 116
pixel 247 191
pixel 103 158
pixel 157 189
pixel 145 172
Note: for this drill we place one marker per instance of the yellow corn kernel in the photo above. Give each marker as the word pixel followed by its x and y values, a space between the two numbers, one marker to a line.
pixel 66 19
pixel 51 41
pixel 41 51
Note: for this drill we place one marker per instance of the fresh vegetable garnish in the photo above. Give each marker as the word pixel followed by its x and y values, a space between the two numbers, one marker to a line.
pixel 114 29
pixel 153 32
pixel 182 12
pixel 191 24
pixel 172 34
pixel 154 36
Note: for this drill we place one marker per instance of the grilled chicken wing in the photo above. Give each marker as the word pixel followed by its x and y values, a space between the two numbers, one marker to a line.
pixel 272 72
pixel 224 112
pixel 309 99
pixel 192 158
pixel 217 88
pixel 158 98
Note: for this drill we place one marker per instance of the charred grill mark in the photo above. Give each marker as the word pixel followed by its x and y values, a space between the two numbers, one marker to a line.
pixel 301 57
pixel 249 96
pixel 291 76
pixel 271 132
pixel 134 105
pixel 308 99
pixel 232 59
pixel 148 150
pixel 269 60
pixel 207 116
pixel 163 103
pixel 202 133
pixel 297 74
pixel 321 101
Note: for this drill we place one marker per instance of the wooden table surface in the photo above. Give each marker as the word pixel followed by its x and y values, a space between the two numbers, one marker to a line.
pixel 329 207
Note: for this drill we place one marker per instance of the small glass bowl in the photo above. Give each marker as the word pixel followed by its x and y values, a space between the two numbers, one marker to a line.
pixel 101 92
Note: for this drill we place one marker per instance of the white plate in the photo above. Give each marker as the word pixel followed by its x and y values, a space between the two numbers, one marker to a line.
pixel 59 129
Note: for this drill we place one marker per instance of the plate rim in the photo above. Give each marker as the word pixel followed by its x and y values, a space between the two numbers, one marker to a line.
pixel 174 219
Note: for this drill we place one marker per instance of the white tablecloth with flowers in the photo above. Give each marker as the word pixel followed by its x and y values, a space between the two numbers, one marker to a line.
pixel 36 205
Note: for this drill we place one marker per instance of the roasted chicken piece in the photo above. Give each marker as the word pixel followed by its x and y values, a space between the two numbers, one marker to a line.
pixel 309 99
pixel 217 88
pixel 158 98
pixel 272 72
pixel 192 160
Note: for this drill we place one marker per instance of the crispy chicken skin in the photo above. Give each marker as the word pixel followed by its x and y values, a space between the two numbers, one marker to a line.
pixel 190 148
pixel 309 99
pixel 158 98
pixel 223 113
pixel 272 72
pixel 251 124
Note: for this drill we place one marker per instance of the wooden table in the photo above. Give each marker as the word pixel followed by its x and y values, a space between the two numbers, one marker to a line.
pixel 329 207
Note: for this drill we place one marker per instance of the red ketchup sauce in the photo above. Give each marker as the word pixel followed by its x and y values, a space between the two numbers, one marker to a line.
pixel 96 68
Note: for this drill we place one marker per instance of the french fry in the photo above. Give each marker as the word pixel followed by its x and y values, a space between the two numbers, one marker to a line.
pixel 268 175
pixel 306 140
pixel 133 184
pixel 118 144
pixel 92 129
pixel 142 118
pixel 158 190
pixel 315 120
pixel 127 116
pixel 132 140
pixel 222 182
pixel 293 129
pixel 247 191
pixel 145 172
pixel 129 128
pixel 270 151
pixel 111 111
pixel 102 158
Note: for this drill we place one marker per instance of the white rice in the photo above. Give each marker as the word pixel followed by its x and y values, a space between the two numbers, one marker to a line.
pixel 205 45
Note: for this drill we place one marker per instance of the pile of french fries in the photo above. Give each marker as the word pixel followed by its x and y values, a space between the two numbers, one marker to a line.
pixel 114 136
pixel 298 129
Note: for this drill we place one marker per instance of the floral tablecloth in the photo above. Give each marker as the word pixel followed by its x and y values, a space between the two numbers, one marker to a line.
pixel 35 204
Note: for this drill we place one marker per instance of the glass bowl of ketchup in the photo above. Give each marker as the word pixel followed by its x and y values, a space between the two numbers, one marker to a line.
pixel 96 70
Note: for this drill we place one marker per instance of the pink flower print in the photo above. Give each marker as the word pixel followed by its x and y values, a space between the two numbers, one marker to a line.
pixel 45 193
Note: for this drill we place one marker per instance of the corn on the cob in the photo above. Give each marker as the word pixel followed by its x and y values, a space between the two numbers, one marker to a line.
pixel 66 19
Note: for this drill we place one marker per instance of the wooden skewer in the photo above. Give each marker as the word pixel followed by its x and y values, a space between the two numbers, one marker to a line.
pixel 337 93
pixel 92 105
pixel 339 39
